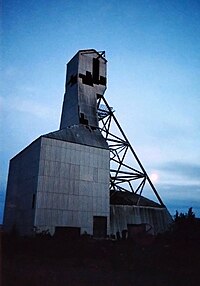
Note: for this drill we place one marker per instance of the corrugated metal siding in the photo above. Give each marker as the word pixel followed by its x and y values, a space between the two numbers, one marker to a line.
pixel 120 216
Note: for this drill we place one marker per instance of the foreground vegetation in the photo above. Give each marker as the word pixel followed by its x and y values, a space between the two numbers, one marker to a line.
pixel 170 259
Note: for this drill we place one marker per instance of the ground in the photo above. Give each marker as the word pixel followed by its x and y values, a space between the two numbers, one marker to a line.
pixel 166 260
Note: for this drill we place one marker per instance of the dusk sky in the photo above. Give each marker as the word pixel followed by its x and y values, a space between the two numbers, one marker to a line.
pixel 153 53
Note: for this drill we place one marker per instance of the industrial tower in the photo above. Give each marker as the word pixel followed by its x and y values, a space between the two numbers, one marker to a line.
pixel 76 179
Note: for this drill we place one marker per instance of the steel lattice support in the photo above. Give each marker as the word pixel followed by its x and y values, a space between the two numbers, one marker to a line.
pixel 123 177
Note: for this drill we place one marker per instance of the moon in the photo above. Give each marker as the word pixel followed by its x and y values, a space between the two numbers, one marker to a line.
pixel 154 177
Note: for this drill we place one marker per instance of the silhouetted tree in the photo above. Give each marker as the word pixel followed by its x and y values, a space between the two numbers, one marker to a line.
pixel 190 215
pixel 186 226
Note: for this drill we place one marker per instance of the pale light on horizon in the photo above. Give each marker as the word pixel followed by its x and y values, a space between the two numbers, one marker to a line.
pixel 154 177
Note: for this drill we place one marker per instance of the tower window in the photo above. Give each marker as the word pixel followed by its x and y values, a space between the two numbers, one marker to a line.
pixel 33 201
pixel 82 119
pixel 95 71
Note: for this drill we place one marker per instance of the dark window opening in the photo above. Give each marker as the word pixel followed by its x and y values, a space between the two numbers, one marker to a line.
pixel 82 119
pixel 87 79
pixel 93 78
pixel 102 80
pixel 33 201
pixel 95 71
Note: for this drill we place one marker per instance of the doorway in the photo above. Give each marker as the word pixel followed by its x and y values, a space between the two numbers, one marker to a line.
pixel 99 226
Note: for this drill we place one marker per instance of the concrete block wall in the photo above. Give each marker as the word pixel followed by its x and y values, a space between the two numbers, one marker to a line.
pixel 21 189
pixel 73 185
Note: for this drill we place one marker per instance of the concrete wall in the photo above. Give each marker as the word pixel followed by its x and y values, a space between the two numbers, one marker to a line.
pixel 21 189
pixel 84 81
pixel 73 185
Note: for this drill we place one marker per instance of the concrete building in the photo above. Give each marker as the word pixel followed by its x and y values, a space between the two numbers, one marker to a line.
pixel 63 180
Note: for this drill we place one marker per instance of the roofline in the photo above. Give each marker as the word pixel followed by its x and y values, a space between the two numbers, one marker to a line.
pixel 101 54
pixel 140 206
pixel 37 139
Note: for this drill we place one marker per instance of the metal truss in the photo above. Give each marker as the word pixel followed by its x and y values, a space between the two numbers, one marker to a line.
pixel 123 176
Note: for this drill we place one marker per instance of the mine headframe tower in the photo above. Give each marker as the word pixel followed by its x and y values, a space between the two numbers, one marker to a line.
pixel 84 104
pixel 123 176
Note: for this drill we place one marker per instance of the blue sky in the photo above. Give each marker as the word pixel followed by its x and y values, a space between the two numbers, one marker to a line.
pixel 153 56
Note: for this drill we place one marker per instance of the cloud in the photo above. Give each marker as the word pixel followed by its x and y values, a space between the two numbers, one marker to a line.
pixel 180 192
pixel 32 107
pixel 29 106
pixel 180 197
pixel 189 171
